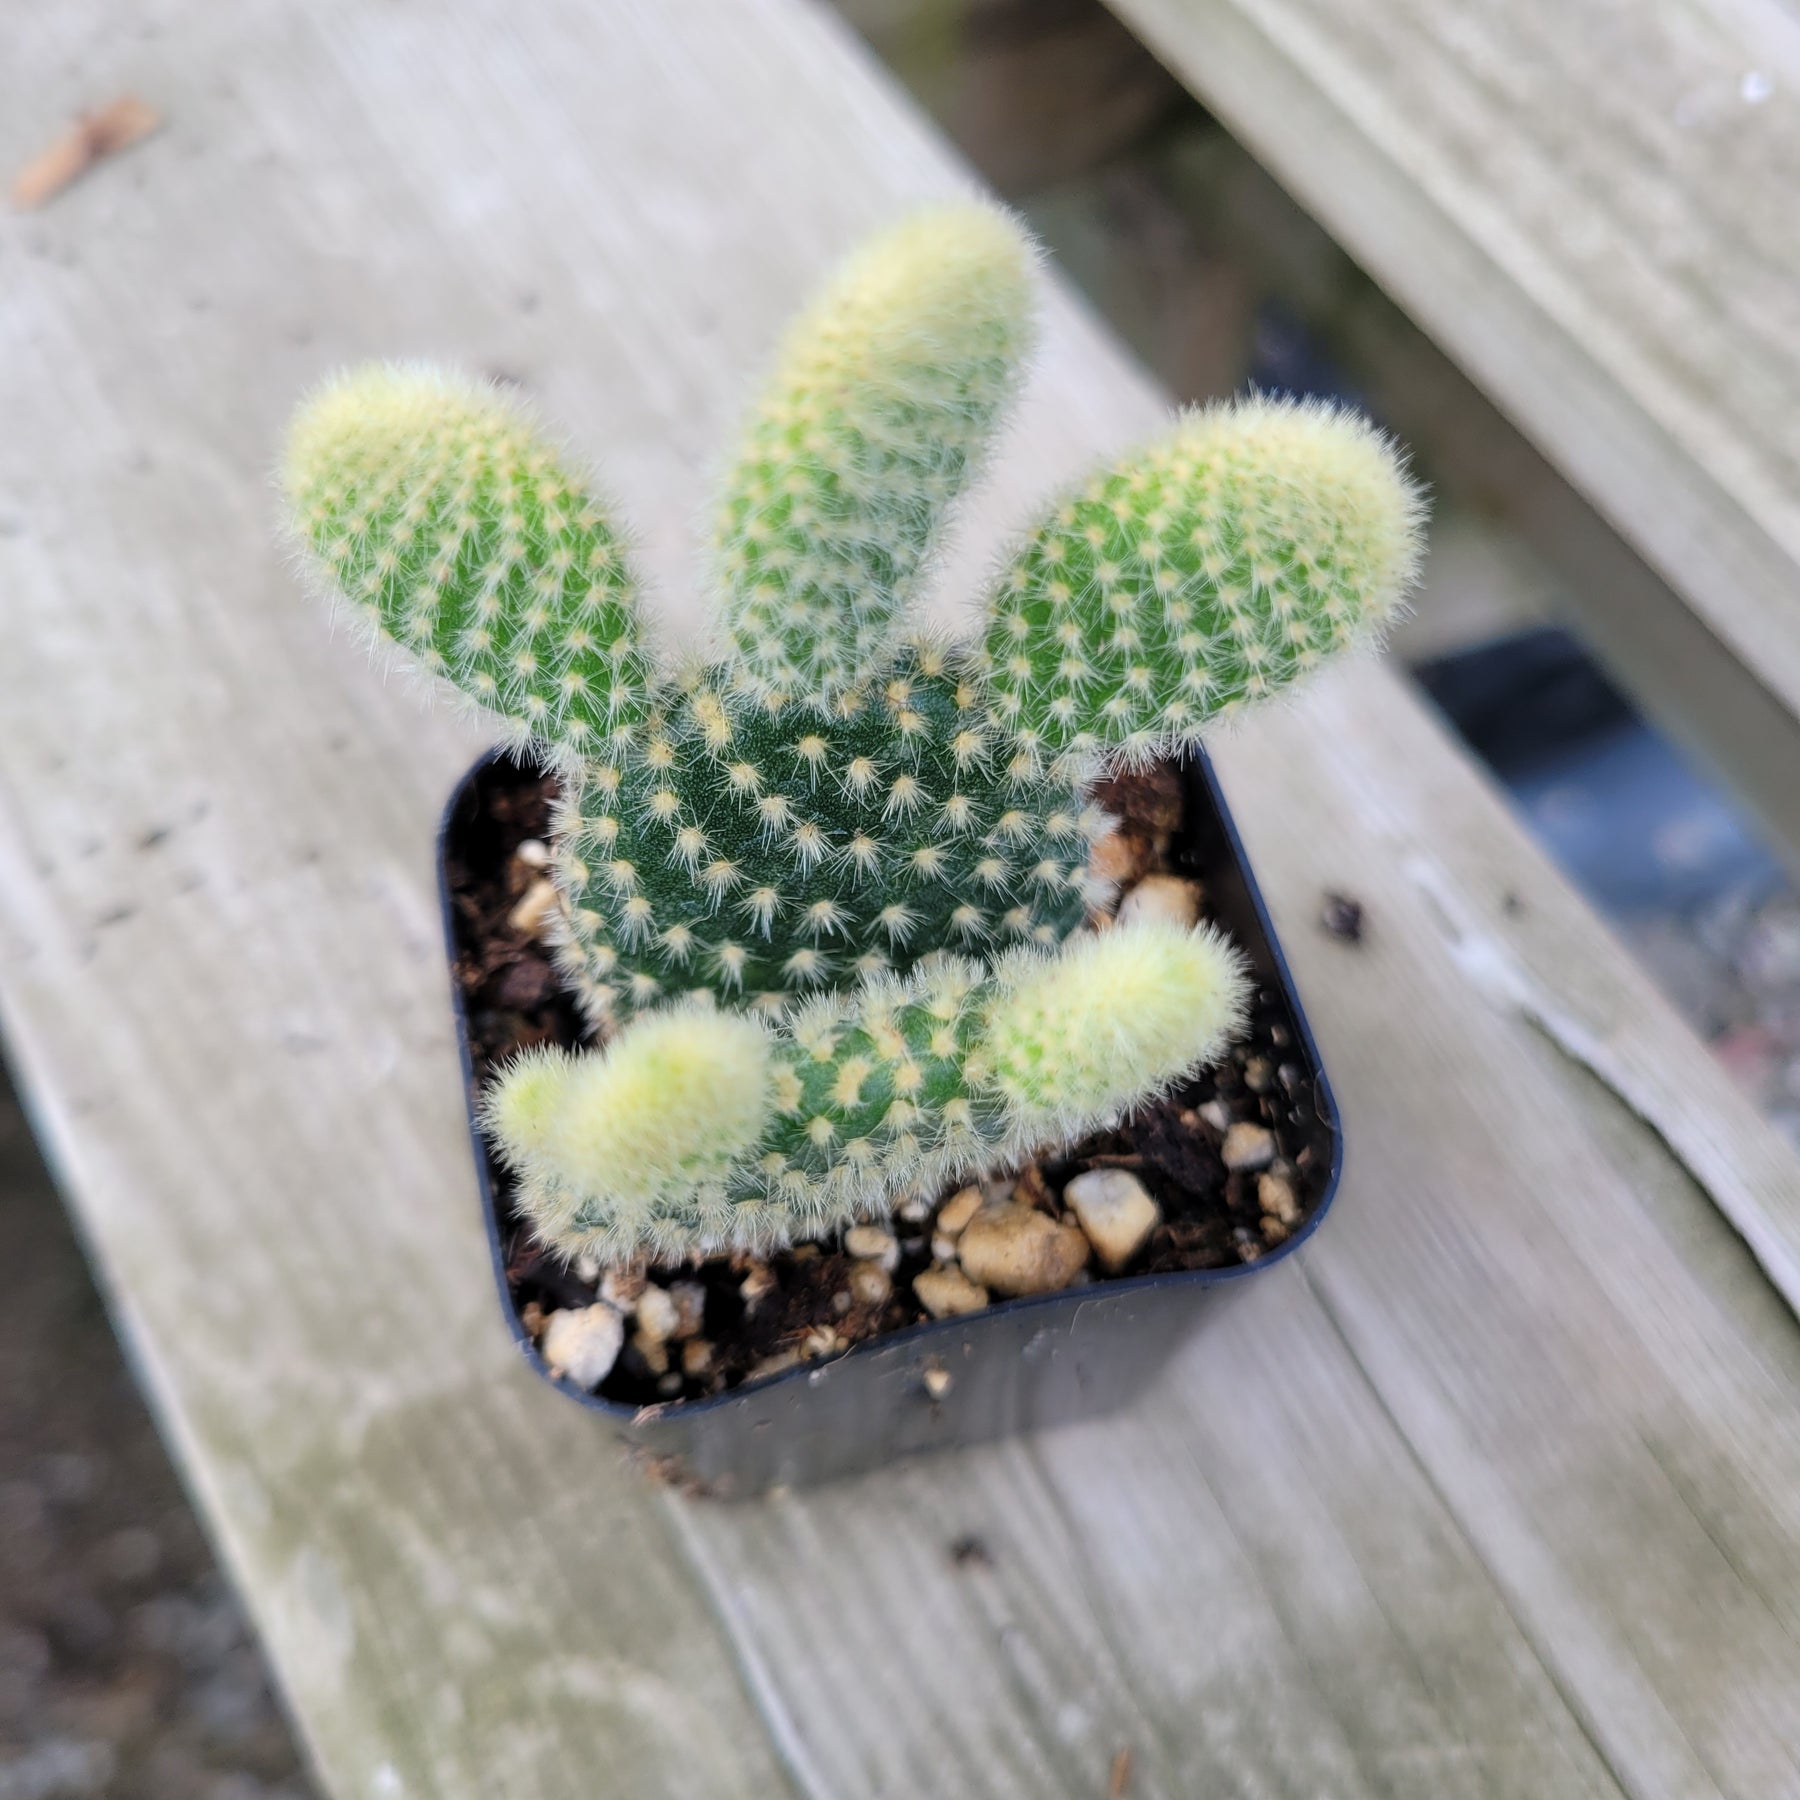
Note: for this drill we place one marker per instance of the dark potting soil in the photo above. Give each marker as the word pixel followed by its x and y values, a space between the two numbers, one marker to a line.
pixel 763 1313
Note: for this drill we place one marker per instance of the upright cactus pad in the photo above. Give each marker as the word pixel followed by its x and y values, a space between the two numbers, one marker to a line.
pixel 436 508
pixel 879 408
pixel 875 843
pixel 1202 572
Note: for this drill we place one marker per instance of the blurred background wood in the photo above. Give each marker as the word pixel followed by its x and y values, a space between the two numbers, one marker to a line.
pixel 1585 207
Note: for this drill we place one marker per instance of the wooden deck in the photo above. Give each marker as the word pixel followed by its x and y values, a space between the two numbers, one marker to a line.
pixel 1494 1491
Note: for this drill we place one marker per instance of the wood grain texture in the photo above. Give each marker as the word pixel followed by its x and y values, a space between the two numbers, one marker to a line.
pixel 1588 205
pixel 1499 1494
pixel 1719 709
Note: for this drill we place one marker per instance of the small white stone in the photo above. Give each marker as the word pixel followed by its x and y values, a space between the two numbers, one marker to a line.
pixel 587 1268
pixel 690 1307
pixel 870 1283
pixel 957 1211
pixel 696 1357
pixel 1248 1146
pixel 1275 1195
pixel 1015 1249
pixel 943 1249
pixel 1215 1114
pixel 534 853
pixel 869 1243
pixel 1166 899
pixel 654 1351
pixel 621 1287
pixel 537 905
pixel 658 1316
pixel 913 1207
pixel 1117 1212
pixel 758 1283
pixel 581 1344
pixel 944 1292
pixel 1118 857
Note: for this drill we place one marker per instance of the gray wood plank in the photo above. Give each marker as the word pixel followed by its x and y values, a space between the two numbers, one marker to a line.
pixel 1359 1543
pixel 1587 206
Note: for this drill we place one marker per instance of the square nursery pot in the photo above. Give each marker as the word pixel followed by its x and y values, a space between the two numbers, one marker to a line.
pixel 1016 1366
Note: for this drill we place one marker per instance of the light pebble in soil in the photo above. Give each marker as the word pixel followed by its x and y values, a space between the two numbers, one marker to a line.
pixel 869 1243
pixel 621 1287
pixel 1116 1211
pixel 658 1315
pixel 1016 1250
pixel 1162 899
pixel 1118 857
pixel 913 1207
pixel 654 1351
pixel 870 1283
pixel 957 1211
pixel 536 906
pixel 945 1292
pixel 582 1343
pixel 1248 1147
pixel 1275 1195
pixel 690 1307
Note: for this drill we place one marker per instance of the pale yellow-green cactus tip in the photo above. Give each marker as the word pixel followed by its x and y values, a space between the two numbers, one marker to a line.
pixel 1113 1019
pixel 672 1104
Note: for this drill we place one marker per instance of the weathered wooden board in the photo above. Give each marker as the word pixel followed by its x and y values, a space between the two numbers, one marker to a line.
pixel 1499 1494
pixel 1588 206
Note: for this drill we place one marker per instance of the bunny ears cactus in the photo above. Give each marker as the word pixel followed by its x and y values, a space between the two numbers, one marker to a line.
pixel 822 887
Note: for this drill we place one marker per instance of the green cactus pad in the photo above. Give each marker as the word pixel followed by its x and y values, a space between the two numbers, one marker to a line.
pixel 878 411
pixel 1206 571
pixel 769 855
pixel 439 512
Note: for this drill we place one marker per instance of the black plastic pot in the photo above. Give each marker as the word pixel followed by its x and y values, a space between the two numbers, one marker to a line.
pixel 1016 1366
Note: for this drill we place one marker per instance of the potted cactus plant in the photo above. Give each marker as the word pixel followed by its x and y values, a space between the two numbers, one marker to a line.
pixel 823 901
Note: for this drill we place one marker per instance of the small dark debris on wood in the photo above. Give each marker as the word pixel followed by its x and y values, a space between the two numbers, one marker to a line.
pixel 1342 918
pixel 673 1472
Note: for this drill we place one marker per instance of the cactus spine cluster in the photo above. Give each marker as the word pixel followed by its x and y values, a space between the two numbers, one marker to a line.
pixel 823 888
